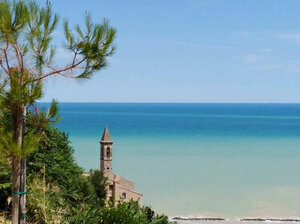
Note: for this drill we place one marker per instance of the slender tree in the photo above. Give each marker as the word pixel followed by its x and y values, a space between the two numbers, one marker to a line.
pixel 27 58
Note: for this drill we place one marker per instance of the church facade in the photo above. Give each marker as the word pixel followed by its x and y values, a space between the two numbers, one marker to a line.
pixel 118 187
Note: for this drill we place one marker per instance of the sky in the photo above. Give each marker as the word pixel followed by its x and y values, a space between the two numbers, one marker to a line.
pixel 189 51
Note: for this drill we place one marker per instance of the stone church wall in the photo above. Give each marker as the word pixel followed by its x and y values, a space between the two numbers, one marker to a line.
pixel 119 193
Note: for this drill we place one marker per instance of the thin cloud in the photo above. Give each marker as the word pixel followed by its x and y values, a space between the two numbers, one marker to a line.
pixel 290 37
pixel 294 68
pixel 244 33
pixel 201 45
pixel 251 58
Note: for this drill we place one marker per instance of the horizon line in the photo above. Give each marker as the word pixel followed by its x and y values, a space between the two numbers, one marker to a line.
pixel 173 102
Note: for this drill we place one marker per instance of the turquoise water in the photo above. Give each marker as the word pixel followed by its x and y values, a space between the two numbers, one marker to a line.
pixel 228 160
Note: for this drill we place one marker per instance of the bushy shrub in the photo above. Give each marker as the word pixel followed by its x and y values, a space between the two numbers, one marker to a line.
pixel 5 182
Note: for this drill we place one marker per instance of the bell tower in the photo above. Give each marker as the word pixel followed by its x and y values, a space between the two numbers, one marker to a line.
pixel 106 153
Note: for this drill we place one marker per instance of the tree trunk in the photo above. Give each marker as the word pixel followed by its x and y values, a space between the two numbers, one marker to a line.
pixel 23 189
pixel 23 175
pixel 18 115
pixel 16 170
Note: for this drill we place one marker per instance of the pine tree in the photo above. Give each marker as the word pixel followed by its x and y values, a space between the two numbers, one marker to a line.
pixel 27 58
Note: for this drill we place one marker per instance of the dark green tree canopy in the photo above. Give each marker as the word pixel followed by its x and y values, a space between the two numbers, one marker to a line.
pixel 55 153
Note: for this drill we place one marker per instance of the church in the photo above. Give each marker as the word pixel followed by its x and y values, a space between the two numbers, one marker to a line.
pixel 118 187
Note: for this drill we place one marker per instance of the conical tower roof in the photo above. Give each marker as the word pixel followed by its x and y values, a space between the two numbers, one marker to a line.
pixel 106 136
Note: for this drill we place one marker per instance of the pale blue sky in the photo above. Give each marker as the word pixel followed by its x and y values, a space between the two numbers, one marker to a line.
pixel 190 51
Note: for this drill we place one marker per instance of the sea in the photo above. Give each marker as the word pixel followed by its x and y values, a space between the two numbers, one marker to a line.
pixel 231 161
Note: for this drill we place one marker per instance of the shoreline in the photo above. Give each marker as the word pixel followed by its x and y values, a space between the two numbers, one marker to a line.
pixel 242 220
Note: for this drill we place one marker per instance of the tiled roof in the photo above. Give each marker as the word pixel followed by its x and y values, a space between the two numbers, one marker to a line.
pixel 106 136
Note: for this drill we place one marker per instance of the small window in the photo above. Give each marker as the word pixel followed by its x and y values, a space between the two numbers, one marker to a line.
pixel 108 152
pixel 123 195
pixel 107 168
pixel 111 187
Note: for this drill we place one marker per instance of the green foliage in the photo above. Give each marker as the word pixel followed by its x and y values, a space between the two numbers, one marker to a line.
pixel 154 218
pixel 5 181
pixel 45 203
pixel 9 147
pixel 94 45
pixel 115 213
pixel 13 19
pixel 64 185
pixel 22 91
pixel 41 25
pixel 86 213
pixel 123 212
pixel 54 151
pixel 129 213
pixel 99 183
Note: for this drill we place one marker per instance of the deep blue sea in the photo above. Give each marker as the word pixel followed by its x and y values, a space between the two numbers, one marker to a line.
pixel 229 160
